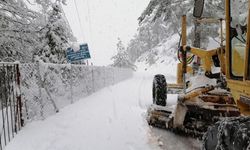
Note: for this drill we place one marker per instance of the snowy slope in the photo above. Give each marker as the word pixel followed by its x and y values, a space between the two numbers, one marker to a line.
pixel 112 119
pixel 164 57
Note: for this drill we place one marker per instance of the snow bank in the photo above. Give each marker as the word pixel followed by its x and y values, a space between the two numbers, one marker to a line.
pixel 48 87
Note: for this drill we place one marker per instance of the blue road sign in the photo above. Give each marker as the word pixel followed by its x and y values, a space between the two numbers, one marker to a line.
pixel 81 54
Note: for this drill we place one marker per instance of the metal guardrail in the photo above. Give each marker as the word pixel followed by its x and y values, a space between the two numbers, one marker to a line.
pixel 11 119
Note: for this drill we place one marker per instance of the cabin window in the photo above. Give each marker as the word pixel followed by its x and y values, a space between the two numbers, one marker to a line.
pixel 238 31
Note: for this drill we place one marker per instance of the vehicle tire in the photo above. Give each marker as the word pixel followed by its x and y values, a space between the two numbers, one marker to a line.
pixel 159 90
pixel 229 134
pixel 210 139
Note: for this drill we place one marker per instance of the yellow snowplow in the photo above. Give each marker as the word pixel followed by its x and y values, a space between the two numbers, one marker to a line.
pixel 217 112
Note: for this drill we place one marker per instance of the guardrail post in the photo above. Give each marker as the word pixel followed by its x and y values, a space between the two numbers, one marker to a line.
pixel 40 84
pixel 71 84
pixel 19 100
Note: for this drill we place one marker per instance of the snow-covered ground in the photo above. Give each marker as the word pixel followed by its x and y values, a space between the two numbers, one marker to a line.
pixel 112 119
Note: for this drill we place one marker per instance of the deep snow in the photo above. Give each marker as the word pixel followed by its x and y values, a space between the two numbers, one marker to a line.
pixel 112 119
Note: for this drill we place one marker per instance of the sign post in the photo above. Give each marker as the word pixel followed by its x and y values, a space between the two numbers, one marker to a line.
pixel 73 56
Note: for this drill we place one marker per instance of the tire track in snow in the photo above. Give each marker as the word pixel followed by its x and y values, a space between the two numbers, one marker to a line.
pixel 113 104
pixel 145 91
pixel 142 82
pixel 111 118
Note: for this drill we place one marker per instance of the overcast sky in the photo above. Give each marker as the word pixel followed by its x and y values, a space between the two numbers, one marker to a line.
pixel 102 22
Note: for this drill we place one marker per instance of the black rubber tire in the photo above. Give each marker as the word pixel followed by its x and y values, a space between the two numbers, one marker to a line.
pixel 210 139
pixel 228 134
pixel 159 90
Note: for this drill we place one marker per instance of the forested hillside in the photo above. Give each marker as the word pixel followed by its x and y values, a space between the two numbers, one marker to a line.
pixel 160 27
pixel 33 29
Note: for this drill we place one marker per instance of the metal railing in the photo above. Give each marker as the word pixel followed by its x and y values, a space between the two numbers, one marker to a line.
pixel 11 119
pixel 47 88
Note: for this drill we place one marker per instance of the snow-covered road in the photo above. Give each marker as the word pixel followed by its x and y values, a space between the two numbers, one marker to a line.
pixel 111 119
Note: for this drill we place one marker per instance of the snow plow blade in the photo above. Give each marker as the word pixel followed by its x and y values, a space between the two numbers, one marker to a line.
pixel 189 119
pixel 159 116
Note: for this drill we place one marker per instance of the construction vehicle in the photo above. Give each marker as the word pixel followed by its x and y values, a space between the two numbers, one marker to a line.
pixel 219 113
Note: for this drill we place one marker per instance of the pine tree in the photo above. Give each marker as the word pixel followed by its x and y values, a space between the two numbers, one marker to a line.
pixel 18 31
pixel 121 59
pixel 57 36
pixel 162 19
pixel 26 34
